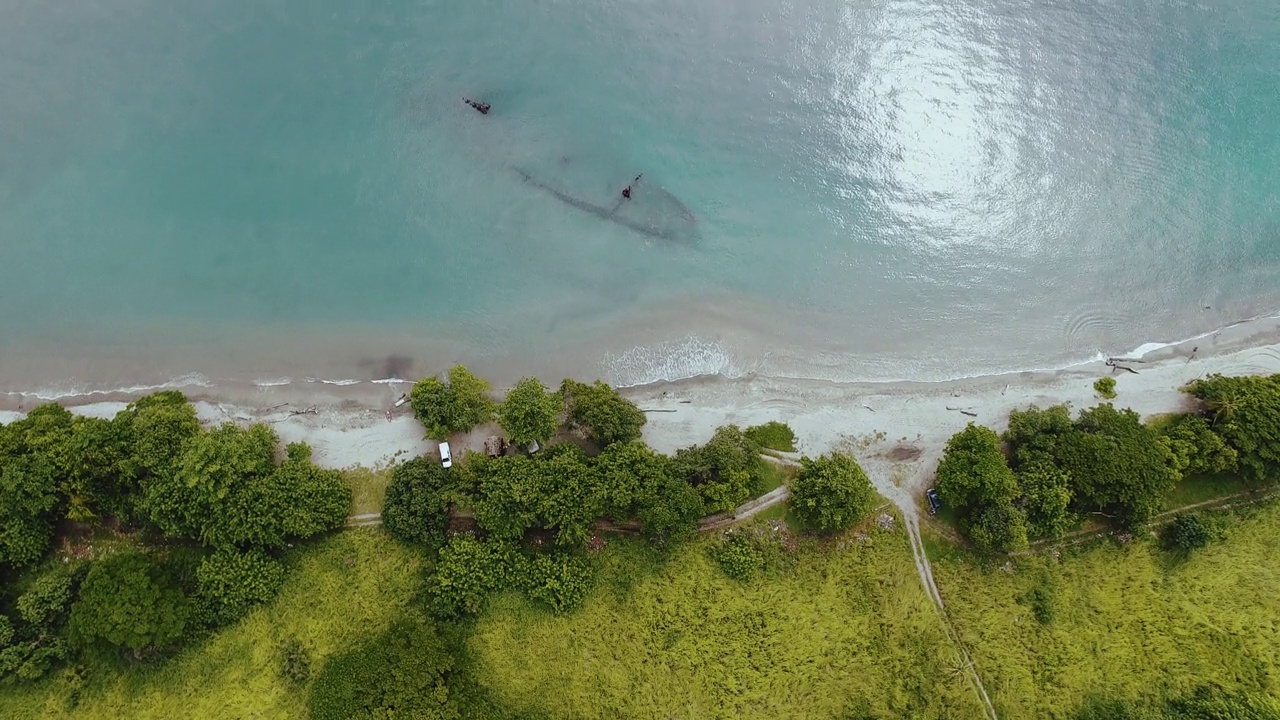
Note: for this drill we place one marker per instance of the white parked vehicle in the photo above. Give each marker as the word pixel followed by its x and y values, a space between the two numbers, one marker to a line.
pixel 446 459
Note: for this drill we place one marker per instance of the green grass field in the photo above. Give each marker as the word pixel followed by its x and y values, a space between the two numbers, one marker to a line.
pixel 1126 621
pixel 368 489
pixel 849 632
pixel 339 590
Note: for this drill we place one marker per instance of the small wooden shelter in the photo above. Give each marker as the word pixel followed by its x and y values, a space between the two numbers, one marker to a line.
pixel 495 445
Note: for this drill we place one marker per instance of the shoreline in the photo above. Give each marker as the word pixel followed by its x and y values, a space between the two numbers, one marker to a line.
pixel 897 430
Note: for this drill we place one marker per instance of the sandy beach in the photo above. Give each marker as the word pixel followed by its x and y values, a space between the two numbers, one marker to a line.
pixel 897 430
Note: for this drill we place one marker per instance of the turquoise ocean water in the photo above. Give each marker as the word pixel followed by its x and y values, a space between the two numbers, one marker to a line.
pixel 879 189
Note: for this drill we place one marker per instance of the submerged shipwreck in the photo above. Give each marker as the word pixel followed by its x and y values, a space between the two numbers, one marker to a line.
pixel 649 210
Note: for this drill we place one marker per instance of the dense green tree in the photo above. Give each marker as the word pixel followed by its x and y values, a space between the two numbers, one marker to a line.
pixel 401 673
pixel 529 412
pixel 831 493
pixel 417 505
pixel 509 495
pixel 469 570
pixel 973 472
pixel 997 527
pixel 600 413
pixel 1046 497
pixel 1196 448
pixel 125 601
pixel 98 476
pixel 625 470
pixel 456 406
pixel 28 504
pixel 230 582
pixel 311 499
pixel 669 510
pixel 725 471
pixel 157 427
pixel 228 492
pixel 773 435
pixel 1034 434
pixel 1246 413
pixel 1117 464
pixel 215 466
pixel 47 600
pixel 569 494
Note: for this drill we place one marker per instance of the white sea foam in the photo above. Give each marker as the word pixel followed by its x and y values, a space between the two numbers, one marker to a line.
pixel 71 388
pixel 670 361
pixel 272 382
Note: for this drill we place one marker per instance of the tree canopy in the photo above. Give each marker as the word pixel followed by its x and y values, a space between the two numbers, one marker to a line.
pixel 831 493
pixel 126 602
pixel 529 412
pixel 416 509
pixel 1246 413
pixel 456 406
pixel 725 471
pixel 975 479
pixel 228 492
pixel 600 413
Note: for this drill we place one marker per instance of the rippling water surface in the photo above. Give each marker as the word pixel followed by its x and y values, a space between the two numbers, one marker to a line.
pixel 848 190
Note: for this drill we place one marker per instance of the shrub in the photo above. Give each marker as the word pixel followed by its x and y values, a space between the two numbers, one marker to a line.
pixel 998 527
pixel 773 435
pixel 47 600
pixel 457 406
pixel 231 582
pixel 529 412
pixel 468 570
pixel 295 662
pixel 403 672
pixel 600 413
pixel 1118 464
pixel 738 556
pixel 831 493
pixel 28 504
pixel 973 473
pixel 1106 387
pixel 417 504
pixel 1187 532
pixel 561 580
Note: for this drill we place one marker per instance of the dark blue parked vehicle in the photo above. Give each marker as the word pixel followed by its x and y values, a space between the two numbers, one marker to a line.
pixel 934 503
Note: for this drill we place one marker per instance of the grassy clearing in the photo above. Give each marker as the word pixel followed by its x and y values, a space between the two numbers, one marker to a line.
pixel 1124 621
pixel 344 588
pixel 368 489
pixel 848 632
pixel 774 475
pixel 1199 488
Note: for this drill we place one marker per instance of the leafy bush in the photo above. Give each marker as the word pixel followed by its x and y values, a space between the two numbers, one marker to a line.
pixel 738 556
pixel 28 505
pixel 1106 387
pixel 1187 532
pixel 529 412
pixel 831 493
pixel 417 505
pixel 468 570
pixel 295 662
pixel 773 435
pixel 725 471
pixel 404 672
pixel 46 602
pixel 974 478
pixel 600 413
pixel 561 580
pixel 457 406
pixel 1118 464
pixel 124 601
pixel 231 582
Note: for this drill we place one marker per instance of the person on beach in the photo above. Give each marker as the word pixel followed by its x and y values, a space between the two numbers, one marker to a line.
pixel 483 107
